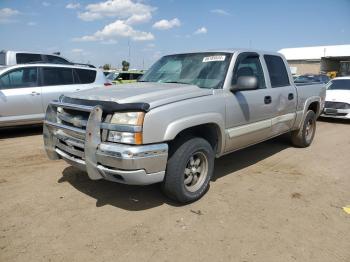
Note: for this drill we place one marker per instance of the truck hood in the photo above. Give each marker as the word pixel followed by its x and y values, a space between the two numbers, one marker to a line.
pixel 338 96
pixel 154 94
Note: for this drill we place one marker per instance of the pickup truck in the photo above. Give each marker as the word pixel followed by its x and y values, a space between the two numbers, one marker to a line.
pixel 187 110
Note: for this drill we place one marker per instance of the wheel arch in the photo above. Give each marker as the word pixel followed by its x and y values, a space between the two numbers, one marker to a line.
pixel 208 126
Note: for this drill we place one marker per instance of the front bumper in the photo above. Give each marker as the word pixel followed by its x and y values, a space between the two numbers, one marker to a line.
pixel 86 150
pixel 336 113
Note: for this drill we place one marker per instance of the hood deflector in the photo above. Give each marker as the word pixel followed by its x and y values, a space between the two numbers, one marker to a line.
pixel 108 106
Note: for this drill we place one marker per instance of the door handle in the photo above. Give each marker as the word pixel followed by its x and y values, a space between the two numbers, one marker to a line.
pixel 78 89
pixel 290 96
pixel 267 99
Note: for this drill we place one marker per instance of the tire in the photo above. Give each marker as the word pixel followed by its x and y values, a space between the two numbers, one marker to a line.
pixel 304 136
pixel 189 170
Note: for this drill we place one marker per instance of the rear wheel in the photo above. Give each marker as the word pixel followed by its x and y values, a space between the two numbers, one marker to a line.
pixel 305 135
pixel 189 170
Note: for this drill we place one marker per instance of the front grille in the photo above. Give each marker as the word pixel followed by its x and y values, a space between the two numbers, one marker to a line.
pixel 336 105
pixel 73 118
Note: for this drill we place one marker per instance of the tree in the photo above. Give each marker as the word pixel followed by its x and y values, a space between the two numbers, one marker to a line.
pixel 125 65
pixel 106 67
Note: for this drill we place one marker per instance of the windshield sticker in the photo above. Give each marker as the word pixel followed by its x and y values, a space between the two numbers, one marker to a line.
pixel 214 58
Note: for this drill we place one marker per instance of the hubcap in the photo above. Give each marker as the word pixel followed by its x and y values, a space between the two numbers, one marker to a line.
pixel 309 129
pixel 196 171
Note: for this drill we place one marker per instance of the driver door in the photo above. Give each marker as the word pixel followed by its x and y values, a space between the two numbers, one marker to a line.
pixel 248 112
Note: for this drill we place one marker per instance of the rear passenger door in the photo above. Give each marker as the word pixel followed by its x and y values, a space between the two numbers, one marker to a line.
pixel 283 95
pixel 20 95
pixel 56 81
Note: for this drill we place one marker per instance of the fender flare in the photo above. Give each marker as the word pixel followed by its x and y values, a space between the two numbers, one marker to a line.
pixel 179 125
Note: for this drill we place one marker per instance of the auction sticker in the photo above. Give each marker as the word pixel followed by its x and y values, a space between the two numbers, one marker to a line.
pixel 214 58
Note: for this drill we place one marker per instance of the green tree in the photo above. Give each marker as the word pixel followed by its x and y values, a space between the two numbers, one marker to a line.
pixel 125 65
pixel 106 67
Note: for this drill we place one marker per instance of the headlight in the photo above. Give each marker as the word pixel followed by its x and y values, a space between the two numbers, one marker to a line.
pixel 131 119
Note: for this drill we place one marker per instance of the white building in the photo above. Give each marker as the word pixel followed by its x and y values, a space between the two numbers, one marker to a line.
pixel 317 59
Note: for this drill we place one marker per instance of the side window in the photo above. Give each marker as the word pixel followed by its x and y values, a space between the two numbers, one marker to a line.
pixel 23 58
pixel 248 64
pixel 136 76
pixel 56 59
pixel 277 71
pixel 86 76
pixel 57 76
pixel 124 76
pixel 24 77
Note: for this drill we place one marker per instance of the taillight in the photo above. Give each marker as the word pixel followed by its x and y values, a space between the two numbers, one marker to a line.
pixel 107 84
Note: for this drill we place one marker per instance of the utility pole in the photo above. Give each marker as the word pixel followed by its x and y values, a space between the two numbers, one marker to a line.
pixel 129 56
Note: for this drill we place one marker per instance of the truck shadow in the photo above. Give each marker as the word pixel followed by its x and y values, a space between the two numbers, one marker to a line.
pixel 136 198
pixel 22 131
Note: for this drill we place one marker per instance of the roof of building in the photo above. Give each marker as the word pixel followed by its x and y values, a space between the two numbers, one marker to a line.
pixel 315 52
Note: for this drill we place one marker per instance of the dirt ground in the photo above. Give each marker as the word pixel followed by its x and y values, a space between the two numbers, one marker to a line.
pixel 270 202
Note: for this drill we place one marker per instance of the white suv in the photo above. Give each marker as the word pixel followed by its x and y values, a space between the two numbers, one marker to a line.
pixel 8 58
pixel 26 90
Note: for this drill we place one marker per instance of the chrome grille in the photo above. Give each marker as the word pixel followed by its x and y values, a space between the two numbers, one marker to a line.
pixel 336 105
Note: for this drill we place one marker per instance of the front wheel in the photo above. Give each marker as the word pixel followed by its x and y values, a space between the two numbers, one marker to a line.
pixel 189 170
pixel 304 136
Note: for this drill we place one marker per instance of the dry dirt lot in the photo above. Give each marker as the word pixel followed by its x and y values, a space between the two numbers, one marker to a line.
pixel 270 202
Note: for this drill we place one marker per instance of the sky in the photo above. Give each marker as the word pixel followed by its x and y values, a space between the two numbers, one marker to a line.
pixel 141 31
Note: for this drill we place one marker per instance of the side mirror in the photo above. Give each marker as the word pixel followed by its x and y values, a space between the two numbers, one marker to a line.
pixel 245 83
pixel 120 78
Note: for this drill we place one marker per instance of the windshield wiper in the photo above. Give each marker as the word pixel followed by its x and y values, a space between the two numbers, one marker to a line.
pixel 176 82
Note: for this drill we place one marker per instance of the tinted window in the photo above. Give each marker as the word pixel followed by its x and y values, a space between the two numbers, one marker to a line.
pixel 2 59
pixel 277 71
pixel 343 84
pixel 249 65
pixel 56 59
pixel 86 76
pixel 124 76
pixel 24 77
pixel 57 76
pixel 27 58
pixel 136 76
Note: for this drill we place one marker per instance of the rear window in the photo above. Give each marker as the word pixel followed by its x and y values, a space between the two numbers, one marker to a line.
pixel 277 71
pixel 23 58
pixel 86 76
pixel 57 76
pixel 2 59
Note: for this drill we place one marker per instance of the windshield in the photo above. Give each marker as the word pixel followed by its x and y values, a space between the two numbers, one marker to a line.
pixel 343 84
pixel 112 76
pixel 306 79
pixel 205 70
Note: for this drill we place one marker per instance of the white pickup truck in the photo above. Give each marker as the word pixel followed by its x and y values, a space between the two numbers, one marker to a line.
pixel 185 111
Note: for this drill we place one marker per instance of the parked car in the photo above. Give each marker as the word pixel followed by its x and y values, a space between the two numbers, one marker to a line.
pixel 123 77
pixel 309 78
pixel 337 103
pixel 26 90
pixel 8 58
pixel 185 111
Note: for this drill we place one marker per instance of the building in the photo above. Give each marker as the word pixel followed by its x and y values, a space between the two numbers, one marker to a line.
pixel 318 59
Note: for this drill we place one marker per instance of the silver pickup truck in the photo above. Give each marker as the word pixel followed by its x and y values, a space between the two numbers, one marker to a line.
pixel 185 111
